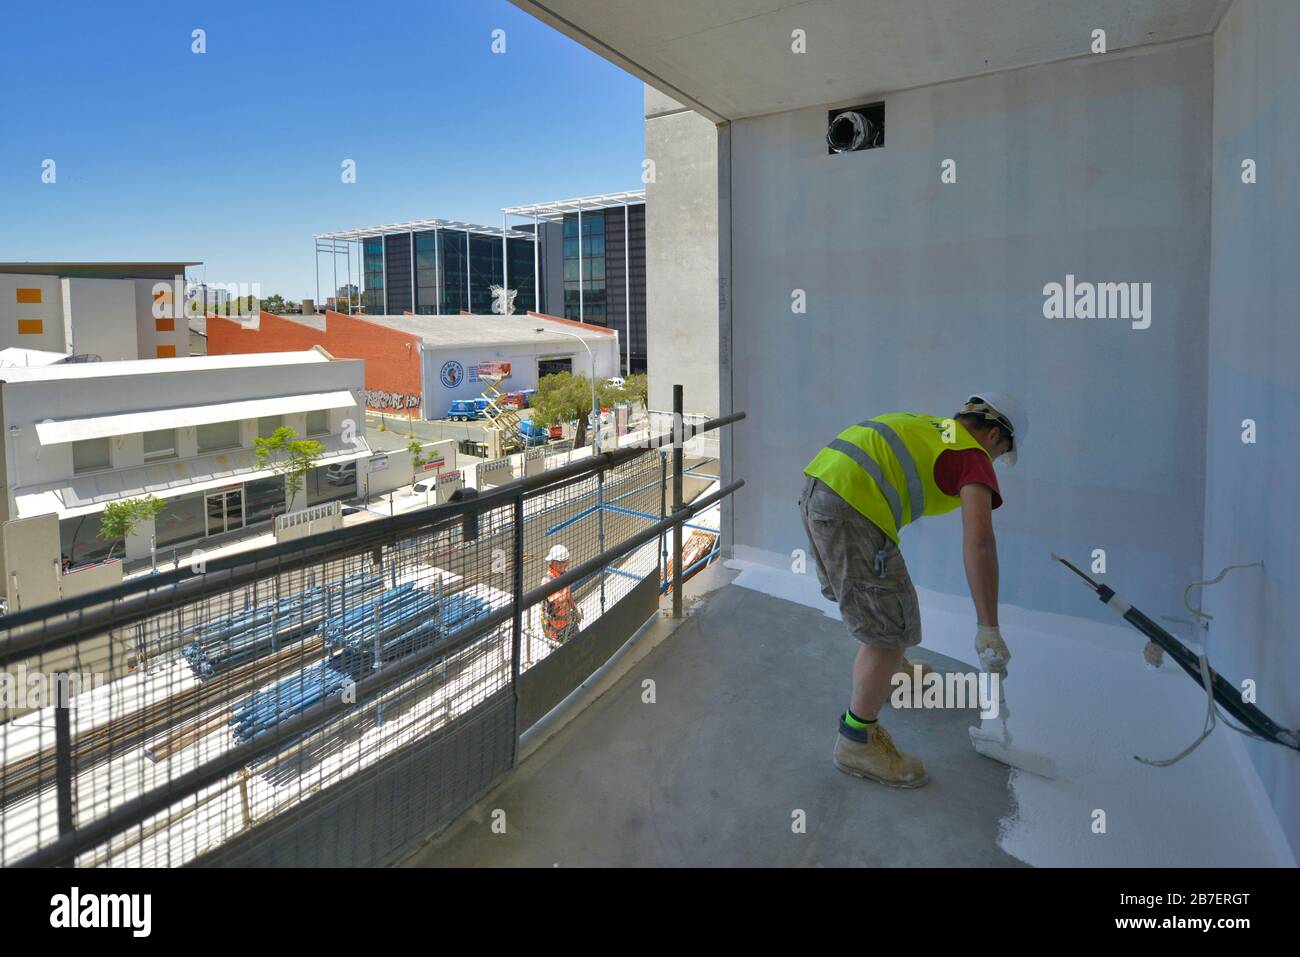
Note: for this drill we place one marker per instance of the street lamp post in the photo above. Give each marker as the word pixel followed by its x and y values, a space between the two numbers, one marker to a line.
pixel 595 406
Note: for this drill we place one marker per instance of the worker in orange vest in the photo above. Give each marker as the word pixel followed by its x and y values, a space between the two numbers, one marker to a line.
pixel 560 614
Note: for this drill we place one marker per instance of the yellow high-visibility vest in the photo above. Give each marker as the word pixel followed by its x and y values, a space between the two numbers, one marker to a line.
pixel 884 467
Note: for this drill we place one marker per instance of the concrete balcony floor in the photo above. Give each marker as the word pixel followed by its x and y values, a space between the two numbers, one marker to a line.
pixel 747 692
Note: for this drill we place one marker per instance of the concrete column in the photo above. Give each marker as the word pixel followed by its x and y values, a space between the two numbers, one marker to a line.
pixel 687 248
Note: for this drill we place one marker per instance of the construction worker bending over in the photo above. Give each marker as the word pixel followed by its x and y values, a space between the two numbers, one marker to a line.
pixel 560 613
pixel 873 479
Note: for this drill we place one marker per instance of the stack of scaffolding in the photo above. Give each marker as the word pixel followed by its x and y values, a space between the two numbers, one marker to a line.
pixel 218 645
pixel 392 625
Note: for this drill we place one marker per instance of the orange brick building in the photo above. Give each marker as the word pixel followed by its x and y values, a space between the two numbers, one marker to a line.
pixel 392 356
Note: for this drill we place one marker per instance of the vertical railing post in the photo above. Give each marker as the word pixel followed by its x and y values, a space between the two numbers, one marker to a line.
pixel 662 557
pixel 63 757
pixel 516 642
pixel 678 432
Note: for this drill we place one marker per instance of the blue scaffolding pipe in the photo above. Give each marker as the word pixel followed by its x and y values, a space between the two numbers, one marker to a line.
pixel 624 572
pixel 577 518
pixel 592 509
pixel 654 518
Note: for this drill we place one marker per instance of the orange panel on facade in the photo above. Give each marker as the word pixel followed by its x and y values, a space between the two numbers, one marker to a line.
pixel 31 327
pixel 166 352
pixel 29 295
pixel 165 325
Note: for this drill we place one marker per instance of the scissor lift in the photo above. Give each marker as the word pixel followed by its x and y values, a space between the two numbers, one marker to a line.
pixel 502 426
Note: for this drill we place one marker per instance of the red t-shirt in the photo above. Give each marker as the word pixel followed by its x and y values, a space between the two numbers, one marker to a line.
pixel 957 467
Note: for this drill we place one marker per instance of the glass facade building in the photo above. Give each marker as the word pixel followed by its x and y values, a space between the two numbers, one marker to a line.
pixel 587 265
pixel 604 282
pixel 453 272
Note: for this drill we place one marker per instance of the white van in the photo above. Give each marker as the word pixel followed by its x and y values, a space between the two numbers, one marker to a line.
pixel 342 473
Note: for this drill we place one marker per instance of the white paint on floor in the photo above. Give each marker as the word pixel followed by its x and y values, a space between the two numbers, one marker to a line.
pixel 1079 692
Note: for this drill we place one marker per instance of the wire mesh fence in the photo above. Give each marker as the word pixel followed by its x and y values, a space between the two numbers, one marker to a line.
pixel 186 711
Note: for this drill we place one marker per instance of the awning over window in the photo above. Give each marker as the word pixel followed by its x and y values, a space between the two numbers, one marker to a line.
pixel 129 423
pixel 87 494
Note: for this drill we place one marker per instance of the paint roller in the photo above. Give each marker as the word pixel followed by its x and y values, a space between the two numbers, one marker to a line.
pixel 1223 692
pixel 997 744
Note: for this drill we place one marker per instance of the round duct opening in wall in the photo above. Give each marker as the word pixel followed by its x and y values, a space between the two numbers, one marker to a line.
pixel 848 131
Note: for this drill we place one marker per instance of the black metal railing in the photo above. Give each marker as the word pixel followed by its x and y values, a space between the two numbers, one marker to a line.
pixel 335 699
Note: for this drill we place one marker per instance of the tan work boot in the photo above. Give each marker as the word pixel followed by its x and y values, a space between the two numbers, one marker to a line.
pixel 871 753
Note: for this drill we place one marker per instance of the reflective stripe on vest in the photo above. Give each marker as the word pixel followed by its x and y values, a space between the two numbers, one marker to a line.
pixel 871 468
pixel 915 490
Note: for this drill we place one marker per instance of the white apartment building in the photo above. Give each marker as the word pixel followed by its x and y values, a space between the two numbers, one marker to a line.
pixel 96 310
pixel 78 436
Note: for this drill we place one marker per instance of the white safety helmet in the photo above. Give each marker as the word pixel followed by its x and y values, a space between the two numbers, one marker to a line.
pixel 558 553
pixel 1004 409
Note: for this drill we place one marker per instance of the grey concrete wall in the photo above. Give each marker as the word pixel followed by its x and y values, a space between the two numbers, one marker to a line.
pixel 919 291
pixel 1251 510
pixel 682 255
pixel 103 314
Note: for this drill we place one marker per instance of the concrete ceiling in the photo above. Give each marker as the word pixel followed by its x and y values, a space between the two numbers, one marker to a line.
pixel 732 58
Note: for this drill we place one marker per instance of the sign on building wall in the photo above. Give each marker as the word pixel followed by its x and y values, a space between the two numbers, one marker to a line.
pixel 452 374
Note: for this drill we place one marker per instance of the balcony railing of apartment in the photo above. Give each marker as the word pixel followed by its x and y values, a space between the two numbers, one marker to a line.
pixel 337 699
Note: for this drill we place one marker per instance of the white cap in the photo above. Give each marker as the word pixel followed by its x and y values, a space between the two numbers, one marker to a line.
pixel 558 553
pixel 1005 407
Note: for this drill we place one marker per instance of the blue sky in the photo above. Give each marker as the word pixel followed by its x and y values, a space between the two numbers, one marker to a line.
pixel 233 157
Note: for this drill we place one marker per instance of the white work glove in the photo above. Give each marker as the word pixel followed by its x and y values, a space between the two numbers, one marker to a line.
pixel 992 650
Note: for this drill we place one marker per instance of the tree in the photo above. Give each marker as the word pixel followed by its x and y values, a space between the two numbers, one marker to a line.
pixel 278 304
pixel 561 397
pixel 418 459
pixel 119 519
pixel 636 388
pixel 287 455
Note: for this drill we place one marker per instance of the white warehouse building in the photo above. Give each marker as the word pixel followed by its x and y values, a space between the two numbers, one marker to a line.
pixel 534 346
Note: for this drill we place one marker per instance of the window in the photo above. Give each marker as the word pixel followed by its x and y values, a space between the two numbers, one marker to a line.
pixel 373 268
pixel 160 445
pixel 587 303
pixel 426 273
pixel 90 455
pixel 485 271
pixel 521 273
pixel 218 436
pixel 318 422
pixel 453 263
pixel 267 425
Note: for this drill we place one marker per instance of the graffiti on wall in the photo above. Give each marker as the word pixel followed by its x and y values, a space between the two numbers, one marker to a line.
pixel 379 399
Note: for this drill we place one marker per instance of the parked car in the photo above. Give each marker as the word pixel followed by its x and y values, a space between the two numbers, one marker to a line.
pixel 341 473
pixel 466 410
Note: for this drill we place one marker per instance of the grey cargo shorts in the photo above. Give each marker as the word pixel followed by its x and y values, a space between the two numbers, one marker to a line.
pixel 860 570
